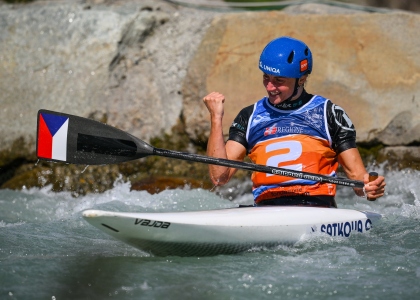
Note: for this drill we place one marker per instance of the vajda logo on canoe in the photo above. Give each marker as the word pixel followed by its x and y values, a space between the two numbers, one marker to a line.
pixel 152 223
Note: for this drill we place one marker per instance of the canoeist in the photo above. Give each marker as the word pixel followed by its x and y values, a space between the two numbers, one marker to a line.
pixel 292 129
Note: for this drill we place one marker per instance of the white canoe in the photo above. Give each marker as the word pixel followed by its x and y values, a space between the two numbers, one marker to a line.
pixel 227 231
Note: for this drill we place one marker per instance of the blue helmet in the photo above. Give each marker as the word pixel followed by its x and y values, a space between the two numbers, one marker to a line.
pixel 286 57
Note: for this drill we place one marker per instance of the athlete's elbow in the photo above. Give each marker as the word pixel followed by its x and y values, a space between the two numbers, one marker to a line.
pixel 220 179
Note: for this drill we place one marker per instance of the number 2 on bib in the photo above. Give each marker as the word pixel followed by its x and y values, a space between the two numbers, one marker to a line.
pixel 295 151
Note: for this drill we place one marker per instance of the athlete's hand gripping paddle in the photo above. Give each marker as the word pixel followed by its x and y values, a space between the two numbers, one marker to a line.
pixel 372 176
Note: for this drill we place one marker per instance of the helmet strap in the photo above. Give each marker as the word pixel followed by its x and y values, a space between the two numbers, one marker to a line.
pixel 295 91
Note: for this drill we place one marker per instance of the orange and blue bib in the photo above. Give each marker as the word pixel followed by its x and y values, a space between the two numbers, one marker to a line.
pixel 291 139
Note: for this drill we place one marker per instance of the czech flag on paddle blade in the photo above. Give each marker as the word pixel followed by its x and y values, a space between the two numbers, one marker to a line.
pixel 52 136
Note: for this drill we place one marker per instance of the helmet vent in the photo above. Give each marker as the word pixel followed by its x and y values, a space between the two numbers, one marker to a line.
pixel 291 56
pixel 306 51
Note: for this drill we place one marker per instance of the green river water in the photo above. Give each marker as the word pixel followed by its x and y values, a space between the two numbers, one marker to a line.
pixel 47 251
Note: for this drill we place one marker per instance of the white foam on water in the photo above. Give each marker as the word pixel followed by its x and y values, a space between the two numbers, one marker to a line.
pixel 44 237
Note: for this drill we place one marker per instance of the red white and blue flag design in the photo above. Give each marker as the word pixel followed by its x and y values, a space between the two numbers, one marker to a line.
pixel 52 136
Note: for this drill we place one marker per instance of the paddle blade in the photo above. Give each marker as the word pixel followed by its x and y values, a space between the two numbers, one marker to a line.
pixel 77 140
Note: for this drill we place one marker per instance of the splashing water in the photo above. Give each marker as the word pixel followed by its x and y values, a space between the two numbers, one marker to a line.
pixel 47 251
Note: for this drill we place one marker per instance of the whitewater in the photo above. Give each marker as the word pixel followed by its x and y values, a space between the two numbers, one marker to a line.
pixel 48 251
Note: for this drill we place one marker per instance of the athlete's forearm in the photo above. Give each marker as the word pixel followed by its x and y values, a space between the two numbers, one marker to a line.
pixel 353 166
pixel 216 147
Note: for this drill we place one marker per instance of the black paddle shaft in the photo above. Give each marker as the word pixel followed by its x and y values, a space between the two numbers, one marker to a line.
pixel 259 168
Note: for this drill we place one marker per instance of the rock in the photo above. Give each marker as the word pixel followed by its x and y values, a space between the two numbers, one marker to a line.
pixel 53 57
pixel 369 66
pixel 123 62
pixel 319 9
pixel 404 129
pixel 400 157
pixel 151 72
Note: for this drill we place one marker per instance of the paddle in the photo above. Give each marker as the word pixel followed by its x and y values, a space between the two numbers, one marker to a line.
pixel 77 140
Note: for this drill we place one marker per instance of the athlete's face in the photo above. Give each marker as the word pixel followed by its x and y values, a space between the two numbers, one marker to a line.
pixel 278 88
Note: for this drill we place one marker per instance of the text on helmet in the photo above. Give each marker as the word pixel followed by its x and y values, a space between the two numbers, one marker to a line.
pixel 269 69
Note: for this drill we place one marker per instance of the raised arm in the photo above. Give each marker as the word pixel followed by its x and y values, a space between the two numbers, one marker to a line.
pixel 216 146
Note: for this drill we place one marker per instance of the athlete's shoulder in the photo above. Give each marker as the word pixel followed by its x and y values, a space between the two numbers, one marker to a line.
pixel 341 128
pixel 243 116
pixel 239 126
pixel 247 110
pixel 337 116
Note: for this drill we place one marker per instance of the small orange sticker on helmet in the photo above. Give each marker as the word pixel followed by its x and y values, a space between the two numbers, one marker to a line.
pixel 303 65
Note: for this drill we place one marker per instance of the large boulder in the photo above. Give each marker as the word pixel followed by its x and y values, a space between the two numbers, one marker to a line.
pixel 121 63
pixel 366 63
